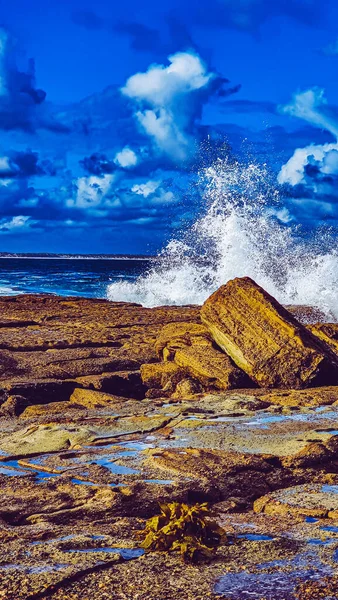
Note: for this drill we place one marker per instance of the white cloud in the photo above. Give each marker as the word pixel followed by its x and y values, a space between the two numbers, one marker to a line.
pixel 283 215
pixel 160 85
pixel 5 167
pixel 92 191
pixel 310 106
pixel 17 222
pixel 294 171
pixel 145 189
pixel 314 166
pixel 126 158
pixel 163 197
pixel 165 95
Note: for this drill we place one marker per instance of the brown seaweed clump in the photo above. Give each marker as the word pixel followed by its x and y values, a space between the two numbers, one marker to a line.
pixel 188 529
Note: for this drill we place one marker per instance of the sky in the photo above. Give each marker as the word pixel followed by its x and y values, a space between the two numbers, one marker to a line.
pixel 110 111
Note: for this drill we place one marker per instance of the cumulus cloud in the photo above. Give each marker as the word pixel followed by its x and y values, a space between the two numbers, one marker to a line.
pixel 92 192
pixel 312 172
pixel 169 101
pixel 145 189
pixel 18 222
pixel 307 165
pixel 126 158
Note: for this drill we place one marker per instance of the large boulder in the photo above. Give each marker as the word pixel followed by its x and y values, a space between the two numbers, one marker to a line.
pixel 212 368
pixel 265 340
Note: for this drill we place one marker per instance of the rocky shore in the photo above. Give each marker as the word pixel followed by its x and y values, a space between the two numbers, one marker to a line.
pixel 109 408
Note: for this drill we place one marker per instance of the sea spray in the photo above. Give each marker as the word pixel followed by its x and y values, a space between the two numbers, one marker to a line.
pixel 244 229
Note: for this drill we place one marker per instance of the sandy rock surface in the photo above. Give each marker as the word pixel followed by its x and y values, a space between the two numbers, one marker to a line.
pixel 108 409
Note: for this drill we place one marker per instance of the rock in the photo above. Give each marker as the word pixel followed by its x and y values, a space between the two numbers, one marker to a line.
pixel 54 408
pixel 45 438
pixel 309 397
pixel 14 406
pixel 187 388
pixel 314 453
pixel 327 333
pixel 265 340
pixel 212 368
pixel 302 500
pixel 158 375
pixel 39 391
pixel 125 383
pixel 180 335
pixel 231 473
pixel 91 398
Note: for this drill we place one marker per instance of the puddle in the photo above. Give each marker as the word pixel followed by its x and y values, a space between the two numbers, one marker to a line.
pixel 17 469
pixel 311 520
pixel 12 472
pixel 130 449
pixel 159 481
pixel 332 489
pixel 126 553
pixel 112 466
pixel 330 528
pixel 280 582
pixel 264 420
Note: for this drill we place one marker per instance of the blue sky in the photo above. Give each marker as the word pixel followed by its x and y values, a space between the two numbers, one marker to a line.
pixel 108 110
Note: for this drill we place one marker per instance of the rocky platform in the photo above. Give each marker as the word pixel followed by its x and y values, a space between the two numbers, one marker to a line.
pixel 109 408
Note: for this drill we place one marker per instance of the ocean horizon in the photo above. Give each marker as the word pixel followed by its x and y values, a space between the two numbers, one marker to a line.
pixel 68 275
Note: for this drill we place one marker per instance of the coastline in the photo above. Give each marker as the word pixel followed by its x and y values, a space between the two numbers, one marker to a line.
pixel 97 428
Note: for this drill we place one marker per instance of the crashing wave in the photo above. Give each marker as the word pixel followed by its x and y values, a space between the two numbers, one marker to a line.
pixel 243 230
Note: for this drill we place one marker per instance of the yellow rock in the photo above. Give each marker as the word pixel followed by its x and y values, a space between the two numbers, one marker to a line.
pixel 36 410
pixel 91 398
pixel 323 396
pixel 326 332
pixel 211 367
pixel 265 340
pixel 179 335
pixel 157 375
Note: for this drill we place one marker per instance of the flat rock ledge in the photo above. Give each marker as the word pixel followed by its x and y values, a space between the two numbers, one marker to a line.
pixel 107 409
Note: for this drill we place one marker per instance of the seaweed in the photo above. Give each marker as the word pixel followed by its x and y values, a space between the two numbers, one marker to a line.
pixel 188 529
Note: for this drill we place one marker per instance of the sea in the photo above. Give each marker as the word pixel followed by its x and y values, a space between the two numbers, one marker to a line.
pixel 243 228
pixel 68 276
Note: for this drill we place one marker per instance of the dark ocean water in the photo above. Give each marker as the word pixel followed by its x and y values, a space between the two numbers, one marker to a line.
pixel 67 277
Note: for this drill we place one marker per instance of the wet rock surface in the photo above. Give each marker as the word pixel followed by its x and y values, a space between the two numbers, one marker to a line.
pixel 264 339
pixel 108 409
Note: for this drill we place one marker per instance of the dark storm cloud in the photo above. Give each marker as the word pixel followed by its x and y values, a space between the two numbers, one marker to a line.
pixel 97 164
pixel 22 103
pixel 25 164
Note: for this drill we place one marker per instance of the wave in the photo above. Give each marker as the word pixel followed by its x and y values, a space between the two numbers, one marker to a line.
pixel 243 230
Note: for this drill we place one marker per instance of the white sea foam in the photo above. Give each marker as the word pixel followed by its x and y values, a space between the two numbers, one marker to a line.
pixel 243 230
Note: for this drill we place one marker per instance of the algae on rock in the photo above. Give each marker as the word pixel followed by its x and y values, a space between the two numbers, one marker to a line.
pixel 184 528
